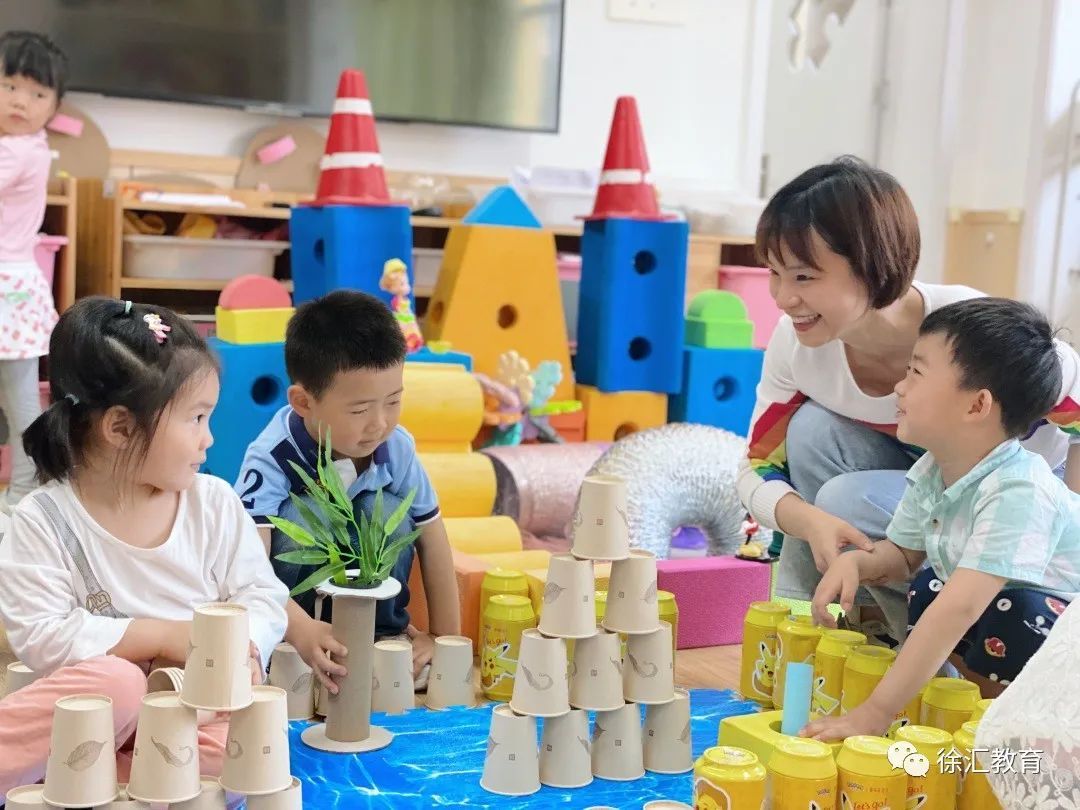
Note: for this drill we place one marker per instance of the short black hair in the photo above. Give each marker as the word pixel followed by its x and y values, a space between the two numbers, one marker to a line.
pixel 1006 347
pixel 342 331
pixel 861 213
pixel 26 53
pixel 102 353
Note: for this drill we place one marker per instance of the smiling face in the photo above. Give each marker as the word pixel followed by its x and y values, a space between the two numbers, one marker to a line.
pixel 25 105
pixel 824 301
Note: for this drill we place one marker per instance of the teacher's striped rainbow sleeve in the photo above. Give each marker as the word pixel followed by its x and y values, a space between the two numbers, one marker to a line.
pixel 768 439
pixel 1066 415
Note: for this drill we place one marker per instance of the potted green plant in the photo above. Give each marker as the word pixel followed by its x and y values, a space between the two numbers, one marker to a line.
pixel 350 552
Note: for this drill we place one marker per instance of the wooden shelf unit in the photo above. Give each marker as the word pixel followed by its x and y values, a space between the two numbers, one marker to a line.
pixel 61 219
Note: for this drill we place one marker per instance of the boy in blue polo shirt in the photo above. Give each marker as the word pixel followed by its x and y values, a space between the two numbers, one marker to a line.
pixel 345 355
pixel 1000 531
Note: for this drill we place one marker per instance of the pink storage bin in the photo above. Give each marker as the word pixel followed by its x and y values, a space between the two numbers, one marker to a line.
pixel 751 284
pixel 45 254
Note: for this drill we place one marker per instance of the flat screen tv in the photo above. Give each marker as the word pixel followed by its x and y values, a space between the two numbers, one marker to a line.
pixel 492 63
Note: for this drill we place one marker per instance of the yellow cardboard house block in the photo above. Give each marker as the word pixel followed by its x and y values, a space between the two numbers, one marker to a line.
pixel 443 407
pixel 758 732
pixel 252 325
pixel 464 483
pixel 496 534
pixel 611 415
pixel 498 289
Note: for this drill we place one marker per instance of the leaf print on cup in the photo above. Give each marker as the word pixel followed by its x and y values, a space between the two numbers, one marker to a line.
pixel 684 737
pixel 234 750
pixel 650 593
pixel 491 744
pixel 644 670
pixel 84 755
pixel 552 591
pixel 171 758
pixel 541 683
pixel 302 684
pixel 585 745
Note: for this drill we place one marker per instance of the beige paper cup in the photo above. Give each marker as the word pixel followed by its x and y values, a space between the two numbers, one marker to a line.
pixel 289 672
pixel 601 530
pixel 512 763
pixel 165 760
pixel 392 679
pixel 124 802
pixel 323 701
pixel 18 676
pixel 616 744
pixel 596 680
pixel 217 676
pixel 257 751
pixel 166 679
pixel 211 797
pixel 81 771
pixel 292 798
pixel 569 607
pixel 631 597
pixel 667 736
pixel 565 751
pixel 541 686
pixel 451 680
pixel 649 667
pixel 27 797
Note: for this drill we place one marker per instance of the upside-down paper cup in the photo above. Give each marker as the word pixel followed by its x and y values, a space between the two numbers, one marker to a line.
pixel 292 798
pixel 165 760
pixel 257 750
pixel 81 771
pixel 569 598
pixel 392 678
pixel 451 680
pixel 18 676
pixel 211 797
pixel 217 676
pixel 596 680
pixel 124 802
pixel 632 594
pixel 166 679
pixel 27 797
pixel 289 672
pixel 565 751
pixel 667 735
pixel 601 530
pixel 512 763
pixel 616 744
pixel 649 668
pixel 540 684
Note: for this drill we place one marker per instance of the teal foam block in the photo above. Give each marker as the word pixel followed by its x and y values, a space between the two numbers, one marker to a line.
pixel 502 206
pixel 797 688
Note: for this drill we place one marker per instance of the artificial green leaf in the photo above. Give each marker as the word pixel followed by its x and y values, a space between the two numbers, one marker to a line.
pixel 317 578
pixel 294 532
pixel 393 551
pixel 304 556
pixel 376 512
pixel 314 488
pixel 316 526
pixel 399 513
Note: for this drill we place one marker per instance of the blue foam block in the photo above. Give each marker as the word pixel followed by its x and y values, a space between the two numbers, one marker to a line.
pixel 502 206
pixel 426 355
pixel 797 687
pixel 718 388
pixel 631 305
pixel 346 246
pixel 253 386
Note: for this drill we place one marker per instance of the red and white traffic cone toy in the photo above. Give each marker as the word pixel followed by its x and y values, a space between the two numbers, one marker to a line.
pixel 352 167
pixel 626 189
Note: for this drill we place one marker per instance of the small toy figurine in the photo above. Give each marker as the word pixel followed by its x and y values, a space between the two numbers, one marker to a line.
pixel 517 402
pixel 753 549
pixel 395 280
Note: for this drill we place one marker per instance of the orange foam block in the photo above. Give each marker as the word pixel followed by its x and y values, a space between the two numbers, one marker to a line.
pixel 611 415
pixel 469 572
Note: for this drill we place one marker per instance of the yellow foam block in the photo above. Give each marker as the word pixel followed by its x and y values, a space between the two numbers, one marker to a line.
pixel 483 535
pixel 463 482
pixel 611 415
pixel 537 578
pixel 758 732
pixel 443 407
pixel 252 325
pixel 498 289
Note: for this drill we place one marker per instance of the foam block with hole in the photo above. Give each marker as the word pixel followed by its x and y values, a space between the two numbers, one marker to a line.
pixel 610 416
pixel 254 292
pixel 631 305
pixel 253 386
pixel 252 325
pixel 713 595
pixel 718 388
pixel 346 246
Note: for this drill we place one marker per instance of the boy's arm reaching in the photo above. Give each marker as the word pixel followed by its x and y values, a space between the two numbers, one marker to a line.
pixel 885 562
pixel 440 581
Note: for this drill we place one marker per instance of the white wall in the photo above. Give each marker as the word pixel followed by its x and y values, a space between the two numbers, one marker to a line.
pixel 689 82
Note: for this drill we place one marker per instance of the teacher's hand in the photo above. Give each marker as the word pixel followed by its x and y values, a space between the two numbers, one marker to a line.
pixel 828 535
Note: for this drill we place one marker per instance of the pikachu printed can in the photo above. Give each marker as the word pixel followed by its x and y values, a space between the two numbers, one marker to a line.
pixel 867 780
pixel 802 776
pixel 505 618
pixel 907 716
pixel 948 703
pixel 863 671
pixel 973 791
pixel 796 640
pixel 832 652
pixel 759 650
pixel 936 788
pixel 728 778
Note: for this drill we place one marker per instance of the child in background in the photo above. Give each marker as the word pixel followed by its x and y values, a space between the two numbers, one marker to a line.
pixel 1000 531
pixel 105 563
pixel 34 74
pixel 345 355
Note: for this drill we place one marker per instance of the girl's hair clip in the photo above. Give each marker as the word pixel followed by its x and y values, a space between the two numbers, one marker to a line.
pixel 127 307
pixel 74 400
pixel 160 329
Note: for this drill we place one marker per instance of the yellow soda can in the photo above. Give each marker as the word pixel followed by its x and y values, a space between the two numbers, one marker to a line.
pixel 501 580
pixel 863 671
pixel 669 612
pixel 908 716
pixel 829 658
pixel 759 650
pixel 802 775
pixel 796 640
pixel 973 790
pixel 726 778
pixel 948 703
pixel 505 618
pixel 980 708
pixel 931 783
pixel 866 779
